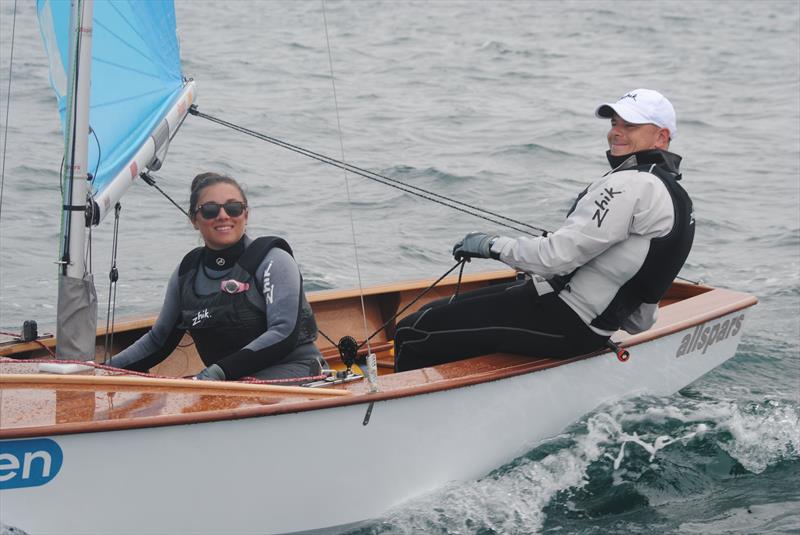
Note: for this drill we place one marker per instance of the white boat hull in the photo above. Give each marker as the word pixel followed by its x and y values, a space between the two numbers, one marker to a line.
pixel 323 468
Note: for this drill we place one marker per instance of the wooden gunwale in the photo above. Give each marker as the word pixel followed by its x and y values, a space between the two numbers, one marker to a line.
pixel 38 380
pixel 700 304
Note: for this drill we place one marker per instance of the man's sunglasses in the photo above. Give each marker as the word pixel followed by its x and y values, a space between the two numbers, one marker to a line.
pixel 210 210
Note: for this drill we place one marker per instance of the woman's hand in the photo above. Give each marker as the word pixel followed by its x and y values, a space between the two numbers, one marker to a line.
pixel 212 373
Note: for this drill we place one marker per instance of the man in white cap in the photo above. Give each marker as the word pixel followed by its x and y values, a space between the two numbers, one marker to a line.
pixel 624 241
pixel 640 120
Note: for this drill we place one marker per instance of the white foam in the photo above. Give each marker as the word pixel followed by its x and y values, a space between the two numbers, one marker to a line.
pixel 514 498
pixel 760 434
pixel 763 437
pixel 659 443
pixel 506 501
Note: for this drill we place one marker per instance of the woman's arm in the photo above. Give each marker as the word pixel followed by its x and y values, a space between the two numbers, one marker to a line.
pixel 160 340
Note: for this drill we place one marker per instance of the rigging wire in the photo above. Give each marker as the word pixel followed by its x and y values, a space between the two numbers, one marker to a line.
pixel 150 179
pixel 8 107
pixel 113 276
pixel 466 208
pixel 417 298
pixel 394 183
pixel 346 179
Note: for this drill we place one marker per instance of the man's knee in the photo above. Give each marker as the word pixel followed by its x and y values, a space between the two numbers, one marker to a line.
pixel 404 338
pixel 406 358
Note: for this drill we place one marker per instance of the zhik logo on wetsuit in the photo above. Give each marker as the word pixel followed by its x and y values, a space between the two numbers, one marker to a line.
pixel 29 463
pixel 269 288
pixel 200 317
pixel 602 205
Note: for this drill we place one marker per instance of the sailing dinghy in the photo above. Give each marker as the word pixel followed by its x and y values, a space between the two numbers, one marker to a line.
pixel 106 452
pixel 272 458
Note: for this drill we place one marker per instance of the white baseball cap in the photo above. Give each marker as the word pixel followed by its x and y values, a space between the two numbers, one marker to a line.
pixel 642 106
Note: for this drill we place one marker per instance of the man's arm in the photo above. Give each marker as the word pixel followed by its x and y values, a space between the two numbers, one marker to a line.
pixel 626 203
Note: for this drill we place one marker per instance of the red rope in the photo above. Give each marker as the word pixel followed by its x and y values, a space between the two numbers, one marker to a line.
pixel 47 348
pixel 18 338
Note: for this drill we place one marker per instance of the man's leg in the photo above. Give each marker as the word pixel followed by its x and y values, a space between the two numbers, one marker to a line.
pixel 505 318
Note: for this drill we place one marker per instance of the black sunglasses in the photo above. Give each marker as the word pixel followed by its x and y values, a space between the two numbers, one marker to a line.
pixel 210 210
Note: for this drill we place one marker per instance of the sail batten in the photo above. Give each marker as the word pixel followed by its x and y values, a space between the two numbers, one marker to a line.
pixel 136 83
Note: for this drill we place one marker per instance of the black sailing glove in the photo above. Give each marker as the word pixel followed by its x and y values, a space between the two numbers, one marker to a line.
pixel 474 245
pixel 212 373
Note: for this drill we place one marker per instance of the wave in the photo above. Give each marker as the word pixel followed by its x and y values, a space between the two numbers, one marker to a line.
pixel 626 458
pixel 534 149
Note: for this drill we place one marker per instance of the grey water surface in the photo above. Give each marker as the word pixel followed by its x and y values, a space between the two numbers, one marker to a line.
pixel 490 103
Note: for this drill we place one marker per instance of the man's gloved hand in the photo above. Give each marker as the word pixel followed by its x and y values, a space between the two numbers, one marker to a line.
pixel 474 245
pixel 212 373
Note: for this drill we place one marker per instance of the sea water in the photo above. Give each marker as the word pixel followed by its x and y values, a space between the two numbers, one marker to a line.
pixel 490 103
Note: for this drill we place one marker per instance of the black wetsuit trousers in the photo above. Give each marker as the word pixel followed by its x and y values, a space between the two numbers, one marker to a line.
pixel 509 318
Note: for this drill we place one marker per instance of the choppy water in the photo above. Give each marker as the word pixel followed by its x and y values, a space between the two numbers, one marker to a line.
pixel 490 102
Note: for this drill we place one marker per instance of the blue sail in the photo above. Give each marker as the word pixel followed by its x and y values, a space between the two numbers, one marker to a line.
pixel 136 81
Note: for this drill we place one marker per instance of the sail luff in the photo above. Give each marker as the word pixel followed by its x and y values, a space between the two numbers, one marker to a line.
pixel 76 149
pixel 77 301
pixel 67 164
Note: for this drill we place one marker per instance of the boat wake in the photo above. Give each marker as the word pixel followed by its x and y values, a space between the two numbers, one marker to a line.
pixel 618 462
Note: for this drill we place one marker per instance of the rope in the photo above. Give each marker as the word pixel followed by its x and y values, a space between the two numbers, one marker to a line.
pixel 458 284
pixel 381 179
pixel 426 290
pixel 18 338
pixel 326 337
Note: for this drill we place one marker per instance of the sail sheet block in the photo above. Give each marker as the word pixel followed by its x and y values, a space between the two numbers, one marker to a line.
pixel 136 79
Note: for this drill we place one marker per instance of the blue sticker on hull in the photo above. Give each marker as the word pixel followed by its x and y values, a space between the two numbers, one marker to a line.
pixel 28 463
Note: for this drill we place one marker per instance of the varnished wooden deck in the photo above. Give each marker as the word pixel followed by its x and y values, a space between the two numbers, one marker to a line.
pixel 52 408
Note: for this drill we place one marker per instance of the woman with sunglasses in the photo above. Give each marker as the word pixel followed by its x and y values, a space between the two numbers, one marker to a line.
pixel 241 299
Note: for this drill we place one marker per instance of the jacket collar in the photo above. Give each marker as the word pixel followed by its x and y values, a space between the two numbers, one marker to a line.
pixel 224 259
pixel 662 158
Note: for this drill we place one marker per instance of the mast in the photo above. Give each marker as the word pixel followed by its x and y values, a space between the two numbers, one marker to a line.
pixel 77 301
